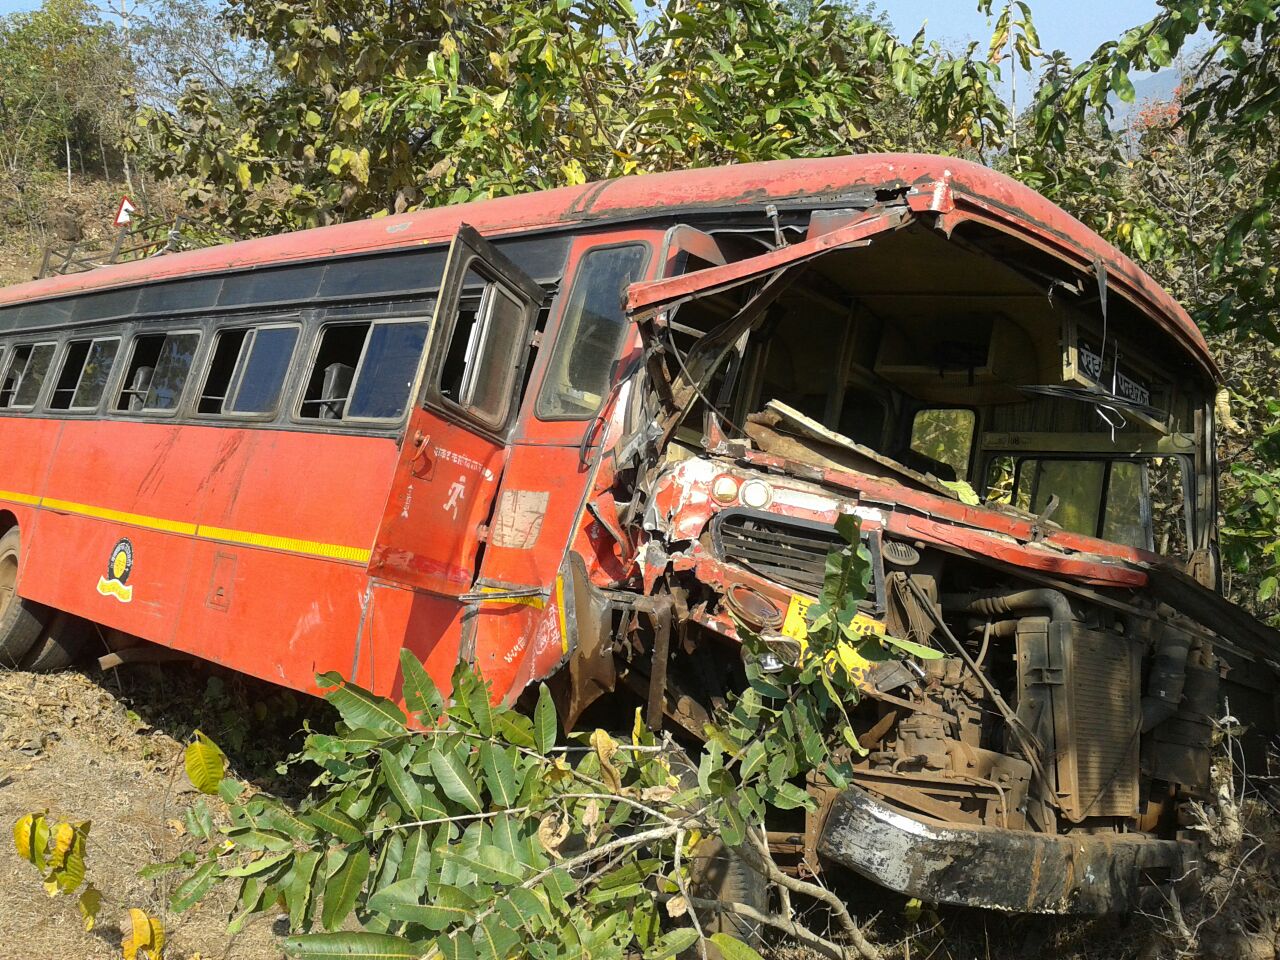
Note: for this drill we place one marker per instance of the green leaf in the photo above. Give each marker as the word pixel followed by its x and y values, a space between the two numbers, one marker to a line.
pixel 499 774
pixel 490 863
pixel 731 948
pixel 360 708
pixel 481 708
pixel 205 764
pixel 402 786
pixel 913 648
pixel 260 865
pixel 450 905
pixel 789 797
pixel 545 726
pixel 192 890
pixel 416 859
pixel 672 943
pixel 354 945
pixel 402 900
pixel 493 939
pixel 455 780
pixel 343 887
pixel 299 889
pixel 333 821
pixel 420 693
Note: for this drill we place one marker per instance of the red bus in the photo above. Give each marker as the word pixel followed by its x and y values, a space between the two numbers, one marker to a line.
pixel 584 434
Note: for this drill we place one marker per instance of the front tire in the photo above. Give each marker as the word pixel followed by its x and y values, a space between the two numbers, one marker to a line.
pixel 21 620
pixel 59 645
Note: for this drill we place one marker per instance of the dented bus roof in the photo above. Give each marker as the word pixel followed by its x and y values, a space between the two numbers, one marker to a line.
pixel 957 191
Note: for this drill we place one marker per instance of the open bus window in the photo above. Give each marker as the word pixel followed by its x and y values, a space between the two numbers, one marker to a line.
pixel 247 373
pixel 943 439
pixel 591 334
pixel 484 353
pixel 25 375
pixel 1134 502
pixel 85 369
pixel 364 371
pixel 157 374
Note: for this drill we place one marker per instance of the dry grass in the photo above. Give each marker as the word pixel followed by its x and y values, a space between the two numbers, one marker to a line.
pixel 69 743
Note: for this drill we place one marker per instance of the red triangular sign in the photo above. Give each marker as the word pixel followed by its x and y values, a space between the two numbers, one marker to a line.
pixel 125 213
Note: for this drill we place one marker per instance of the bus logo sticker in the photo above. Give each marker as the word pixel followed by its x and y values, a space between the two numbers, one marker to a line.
pixel 114 584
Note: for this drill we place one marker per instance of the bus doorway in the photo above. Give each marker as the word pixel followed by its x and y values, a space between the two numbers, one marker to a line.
pixel 455 442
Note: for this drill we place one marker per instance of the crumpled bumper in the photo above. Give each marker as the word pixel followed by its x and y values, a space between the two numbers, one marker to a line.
pixel 982 866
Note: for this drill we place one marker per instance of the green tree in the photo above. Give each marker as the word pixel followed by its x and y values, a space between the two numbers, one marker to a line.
pixel 387 108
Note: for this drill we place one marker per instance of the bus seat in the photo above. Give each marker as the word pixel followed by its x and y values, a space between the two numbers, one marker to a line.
pixel 334 390
pixel 139 386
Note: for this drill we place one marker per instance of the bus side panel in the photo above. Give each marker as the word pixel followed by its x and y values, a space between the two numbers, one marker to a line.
pixel 275 615
pixel 327 489
pixel 430 626
pixel 26 447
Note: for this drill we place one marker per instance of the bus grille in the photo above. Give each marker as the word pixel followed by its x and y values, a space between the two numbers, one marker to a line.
pixel 791 553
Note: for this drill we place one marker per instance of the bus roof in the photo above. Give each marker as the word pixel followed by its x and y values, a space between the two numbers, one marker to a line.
pixel 978 193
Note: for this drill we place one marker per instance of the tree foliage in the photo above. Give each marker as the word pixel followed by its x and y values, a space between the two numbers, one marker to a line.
pixel 386 108
pixel 470 829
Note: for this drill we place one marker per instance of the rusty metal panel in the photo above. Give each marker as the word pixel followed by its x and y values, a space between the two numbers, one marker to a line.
pixel 1101 755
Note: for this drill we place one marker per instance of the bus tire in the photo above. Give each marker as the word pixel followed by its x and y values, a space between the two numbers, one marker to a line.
pixel 59 645
pixel 21 621
pixel 721 873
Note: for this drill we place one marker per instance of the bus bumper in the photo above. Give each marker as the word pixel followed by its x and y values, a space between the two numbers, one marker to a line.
pixel 994 868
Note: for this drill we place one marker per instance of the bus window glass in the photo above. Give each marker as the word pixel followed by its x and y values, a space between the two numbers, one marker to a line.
pixel 12 374
pixel 158 371
pixel 333 370
pixel 460 357
pixel 387 370
pixel 262 372
pixel 498 355
pixel 485 353
pixel 227 351
pixel 85 370
pixel 944 438
pixel 1168 494
pixel 26 375
pixel 591 334
pixel 1124 517
pixel 171 371
pixel 364 370
pixel 1078 485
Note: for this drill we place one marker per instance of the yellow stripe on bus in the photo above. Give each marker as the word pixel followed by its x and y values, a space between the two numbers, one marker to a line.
pixel 119 516
pixel 20 498
pixel 311 548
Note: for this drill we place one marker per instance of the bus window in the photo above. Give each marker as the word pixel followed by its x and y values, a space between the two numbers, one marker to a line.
pixel 591 334
pixel 484 353
pixel 387 370
pixel 944 437
pixel 157 372
pixel 247 372
pixel 1109 499
pixel 85 369
pixel 364 370
pixel 25 375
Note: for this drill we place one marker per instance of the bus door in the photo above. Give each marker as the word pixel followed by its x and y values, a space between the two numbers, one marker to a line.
pixel 455 443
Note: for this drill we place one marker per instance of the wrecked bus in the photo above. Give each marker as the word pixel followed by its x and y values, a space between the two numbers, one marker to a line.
pixel 584 435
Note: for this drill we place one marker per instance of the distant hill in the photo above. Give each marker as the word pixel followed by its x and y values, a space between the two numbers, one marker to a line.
pixel 1155 87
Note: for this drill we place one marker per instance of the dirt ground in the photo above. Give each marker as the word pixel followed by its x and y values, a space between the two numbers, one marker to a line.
pixel 104 748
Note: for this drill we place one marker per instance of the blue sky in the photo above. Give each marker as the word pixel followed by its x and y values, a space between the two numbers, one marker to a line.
pixel 1077 26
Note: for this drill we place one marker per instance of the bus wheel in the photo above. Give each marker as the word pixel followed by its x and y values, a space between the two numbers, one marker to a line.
pixel 721 873
pixel 59 645
pixel 21 621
